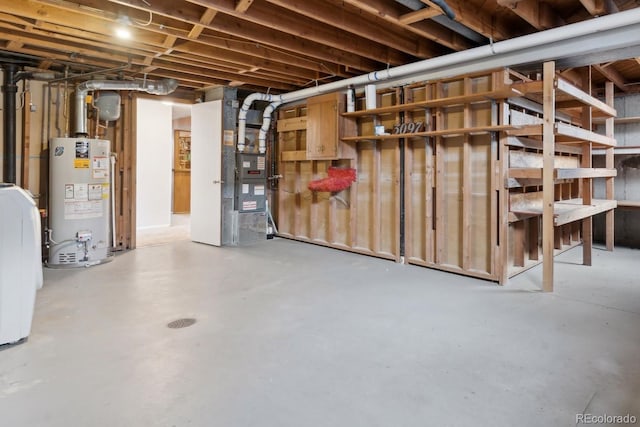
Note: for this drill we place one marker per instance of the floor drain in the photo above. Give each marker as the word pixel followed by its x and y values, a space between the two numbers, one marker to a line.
pixel 181 323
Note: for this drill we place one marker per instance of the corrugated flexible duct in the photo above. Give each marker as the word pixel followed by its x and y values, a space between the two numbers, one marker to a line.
pixel 607 33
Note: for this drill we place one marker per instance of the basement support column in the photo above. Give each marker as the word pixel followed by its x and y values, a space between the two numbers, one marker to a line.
pixel 9 89
pixel 548 165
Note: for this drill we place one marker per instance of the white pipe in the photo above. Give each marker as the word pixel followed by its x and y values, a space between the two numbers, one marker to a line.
pixel 242 114
pixel 113 200
pixel 161 87
pixel 266 122
pixel 559 42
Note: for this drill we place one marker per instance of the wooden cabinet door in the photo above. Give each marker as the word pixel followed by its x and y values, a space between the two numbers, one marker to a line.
pixel 322 127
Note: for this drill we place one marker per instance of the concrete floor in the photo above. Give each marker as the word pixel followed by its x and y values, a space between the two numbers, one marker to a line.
pixel 292 334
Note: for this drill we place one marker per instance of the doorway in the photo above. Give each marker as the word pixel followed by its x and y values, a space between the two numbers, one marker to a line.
pixel 163 172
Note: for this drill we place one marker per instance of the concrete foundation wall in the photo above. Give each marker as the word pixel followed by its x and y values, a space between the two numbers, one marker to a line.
pixel 627 183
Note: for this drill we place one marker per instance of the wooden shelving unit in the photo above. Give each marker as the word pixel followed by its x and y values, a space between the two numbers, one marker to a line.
pixel 560 194
pixel 497 179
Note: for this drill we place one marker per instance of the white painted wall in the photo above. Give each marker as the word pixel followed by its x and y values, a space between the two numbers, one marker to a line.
pixel 154 159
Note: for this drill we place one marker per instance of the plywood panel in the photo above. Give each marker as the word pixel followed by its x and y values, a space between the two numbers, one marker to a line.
pixel 305 200
pixel 480 114
pixel 451 250
pixel 416 206
pixel 481 221
pixel 364 198
pixel 287 199
pixel 389 208
pixel 320 221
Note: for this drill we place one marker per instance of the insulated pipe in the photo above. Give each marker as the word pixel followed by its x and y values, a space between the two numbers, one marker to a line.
pixel 266 122
pixel 561 42
pixel 161 87
pixel 9 90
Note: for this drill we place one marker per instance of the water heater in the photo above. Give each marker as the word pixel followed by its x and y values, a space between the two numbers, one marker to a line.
pixel 78 202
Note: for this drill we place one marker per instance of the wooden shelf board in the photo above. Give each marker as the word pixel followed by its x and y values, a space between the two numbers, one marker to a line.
pixel 444 132
pixel 291 124
pixel 618 150
pixel 567 134
pixel 628 204
pixel 293 156
pixel 566 211
pixel 586 99
pixel 563 173
pixel 524 142
pixel 618 120
pixel 569 97
pixel 564 130
pixel 439 102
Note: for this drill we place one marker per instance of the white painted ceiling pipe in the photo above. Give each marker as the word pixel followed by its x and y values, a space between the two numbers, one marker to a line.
pixel 611 32
pixel 160 87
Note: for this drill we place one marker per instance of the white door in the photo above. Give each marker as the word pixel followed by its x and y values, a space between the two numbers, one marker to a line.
pixel 206 172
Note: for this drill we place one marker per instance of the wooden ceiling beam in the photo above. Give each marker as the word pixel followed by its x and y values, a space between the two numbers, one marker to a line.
pixel 613 75
pixel 540 15
pixel 599 7
pixel 15 42
pixel 186 60
pixel 392 12
pixel 477 19
pixel 418 15
pixel 45 64
pixel 70 44
pixel 243 5
pixel 72 51
pixel 205 19
pixel 14 45
pixel 209 53
pixel 264 19
pixel 359 25
pixel 221 75
pixel 261 35
pixel 244 47
pixel 157 37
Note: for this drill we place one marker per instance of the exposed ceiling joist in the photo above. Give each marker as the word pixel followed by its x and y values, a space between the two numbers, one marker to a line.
pixel 243 5
pixel 613 75
pixel 276 45
pixel 418 15
pixel 537 13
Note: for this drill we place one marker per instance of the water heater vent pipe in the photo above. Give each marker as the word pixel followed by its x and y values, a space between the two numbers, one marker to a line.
pixel 160 87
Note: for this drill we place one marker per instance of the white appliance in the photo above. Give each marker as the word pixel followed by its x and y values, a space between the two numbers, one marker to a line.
pixel 20 262
pixel 79 206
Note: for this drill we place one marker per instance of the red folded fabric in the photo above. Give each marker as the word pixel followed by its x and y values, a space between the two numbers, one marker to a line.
pixel 339 179
pixel 348 173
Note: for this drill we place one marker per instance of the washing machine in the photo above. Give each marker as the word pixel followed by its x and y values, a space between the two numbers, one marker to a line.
pixel 20 262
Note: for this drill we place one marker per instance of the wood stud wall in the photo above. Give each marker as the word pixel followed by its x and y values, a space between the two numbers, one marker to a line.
pixel 491 186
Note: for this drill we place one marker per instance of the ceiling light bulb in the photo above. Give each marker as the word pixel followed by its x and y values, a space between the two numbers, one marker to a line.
pixel 123 33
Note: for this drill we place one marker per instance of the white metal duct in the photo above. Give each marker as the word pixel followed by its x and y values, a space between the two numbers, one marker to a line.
pixel 612 33
pixel 161 87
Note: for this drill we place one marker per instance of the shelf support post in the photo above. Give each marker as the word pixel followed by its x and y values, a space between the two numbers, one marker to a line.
pixel 548 193
pixel 609 163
